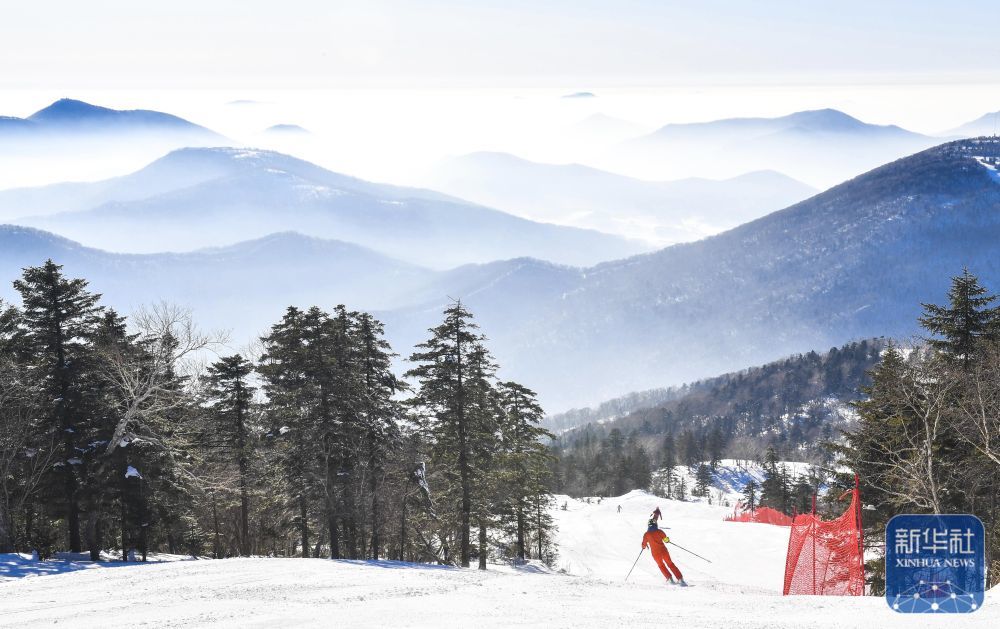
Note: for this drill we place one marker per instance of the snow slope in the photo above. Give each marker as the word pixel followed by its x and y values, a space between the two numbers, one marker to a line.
pixel 740 589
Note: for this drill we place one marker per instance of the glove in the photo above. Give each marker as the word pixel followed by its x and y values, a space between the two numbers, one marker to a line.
pixel 666 540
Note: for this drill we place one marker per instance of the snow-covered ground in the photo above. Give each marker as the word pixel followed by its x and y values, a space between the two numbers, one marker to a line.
pixel 741 588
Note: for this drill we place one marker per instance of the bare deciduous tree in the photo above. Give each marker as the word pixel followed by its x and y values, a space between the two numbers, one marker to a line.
pixel 979 405
pixel 162 376
pixel 911 468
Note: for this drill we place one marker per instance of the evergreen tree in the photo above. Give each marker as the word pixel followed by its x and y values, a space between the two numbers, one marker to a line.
pixel 750 496
pixel 772 489
pixel 803 493
pixel 703 479
pixel 446 376
pixel 291 404
pixel 60 316
pixel 716 446
pixel 527 457
pixel 964 322
pixel 380 413
pixel 689 451
pixel 230 398
pixel 669 461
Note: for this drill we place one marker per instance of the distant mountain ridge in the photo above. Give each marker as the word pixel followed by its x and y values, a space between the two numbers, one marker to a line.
pixel 203 197
pixel 68 115
pixel 662 212
pixel 812 121
pixel 244 287
pixel 74 140
pixel 855 261
pixel 820 147
pixel 985 125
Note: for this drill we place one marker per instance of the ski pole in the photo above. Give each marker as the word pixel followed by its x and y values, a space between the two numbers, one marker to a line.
pixel 633 565
pixel 688 551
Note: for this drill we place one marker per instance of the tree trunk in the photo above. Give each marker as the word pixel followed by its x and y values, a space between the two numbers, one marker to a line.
pixel 331 509
pixel 244 510
pixel 303 520
pixel 73 515
pixel 29 524
pixel 402 529
pixel 216 546
pixel 6 535
pixel 463 458
pixel 376 542
pixel 6 529
pixel 94 534
pixel 482 543
pixel 69 447
pixel 351 535
pixel 538 514
pixel 334 536
pixel 244 462
pixel 123 493
pixel 520 529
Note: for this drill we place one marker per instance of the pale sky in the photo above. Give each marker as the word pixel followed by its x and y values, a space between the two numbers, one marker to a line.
pixel 64 44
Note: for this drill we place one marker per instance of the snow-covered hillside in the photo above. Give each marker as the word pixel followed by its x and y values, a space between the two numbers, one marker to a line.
pixel 740 588
pixel 729 479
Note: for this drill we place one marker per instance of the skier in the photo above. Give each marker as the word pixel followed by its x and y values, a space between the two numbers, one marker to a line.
pixel 619 508
pixel 657 541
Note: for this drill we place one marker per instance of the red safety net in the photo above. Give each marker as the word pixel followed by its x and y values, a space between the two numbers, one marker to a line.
pixel 763 515
pixel 826 557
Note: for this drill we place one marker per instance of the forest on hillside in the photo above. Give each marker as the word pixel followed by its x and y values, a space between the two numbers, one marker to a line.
pixel 145 434
pixel 790 406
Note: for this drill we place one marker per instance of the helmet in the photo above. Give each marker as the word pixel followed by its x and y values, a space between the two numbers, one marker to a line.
pixel 651 525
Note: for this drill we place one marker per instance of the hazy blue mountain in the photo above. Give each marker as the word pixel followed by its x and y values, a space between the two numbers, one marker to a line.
pixel 179 169
pixel 74 140
pixel 206 197
pixel 71 117
pixel 286 129
pixel 820 147
pixel 573 194
pixel 853 262
pixel 985 125
pixel 244 287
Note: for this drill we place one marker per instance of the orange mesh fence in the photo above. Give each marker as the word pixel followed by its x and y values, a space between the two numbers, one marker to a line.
pixel 762 515
pixel 825 557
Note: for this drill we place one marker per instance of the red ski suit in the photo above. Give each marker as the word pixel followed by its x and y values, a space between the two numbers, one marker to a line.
pixel 654 539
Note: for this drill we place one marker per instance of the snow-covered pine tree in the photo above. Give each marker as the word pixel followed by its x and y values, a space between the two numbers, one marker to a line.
pixel 230 405
pixel 526 459
pixel 703 479
pixel 59 316
pixel 379 412
pixel 291 399
pixel 772 491
pixel 750 495
pixel 446 374
pixel 964 322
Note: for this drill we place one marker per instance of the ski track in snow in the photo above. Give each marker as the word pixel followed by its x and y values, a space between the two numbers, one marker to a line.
pixel 740 589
